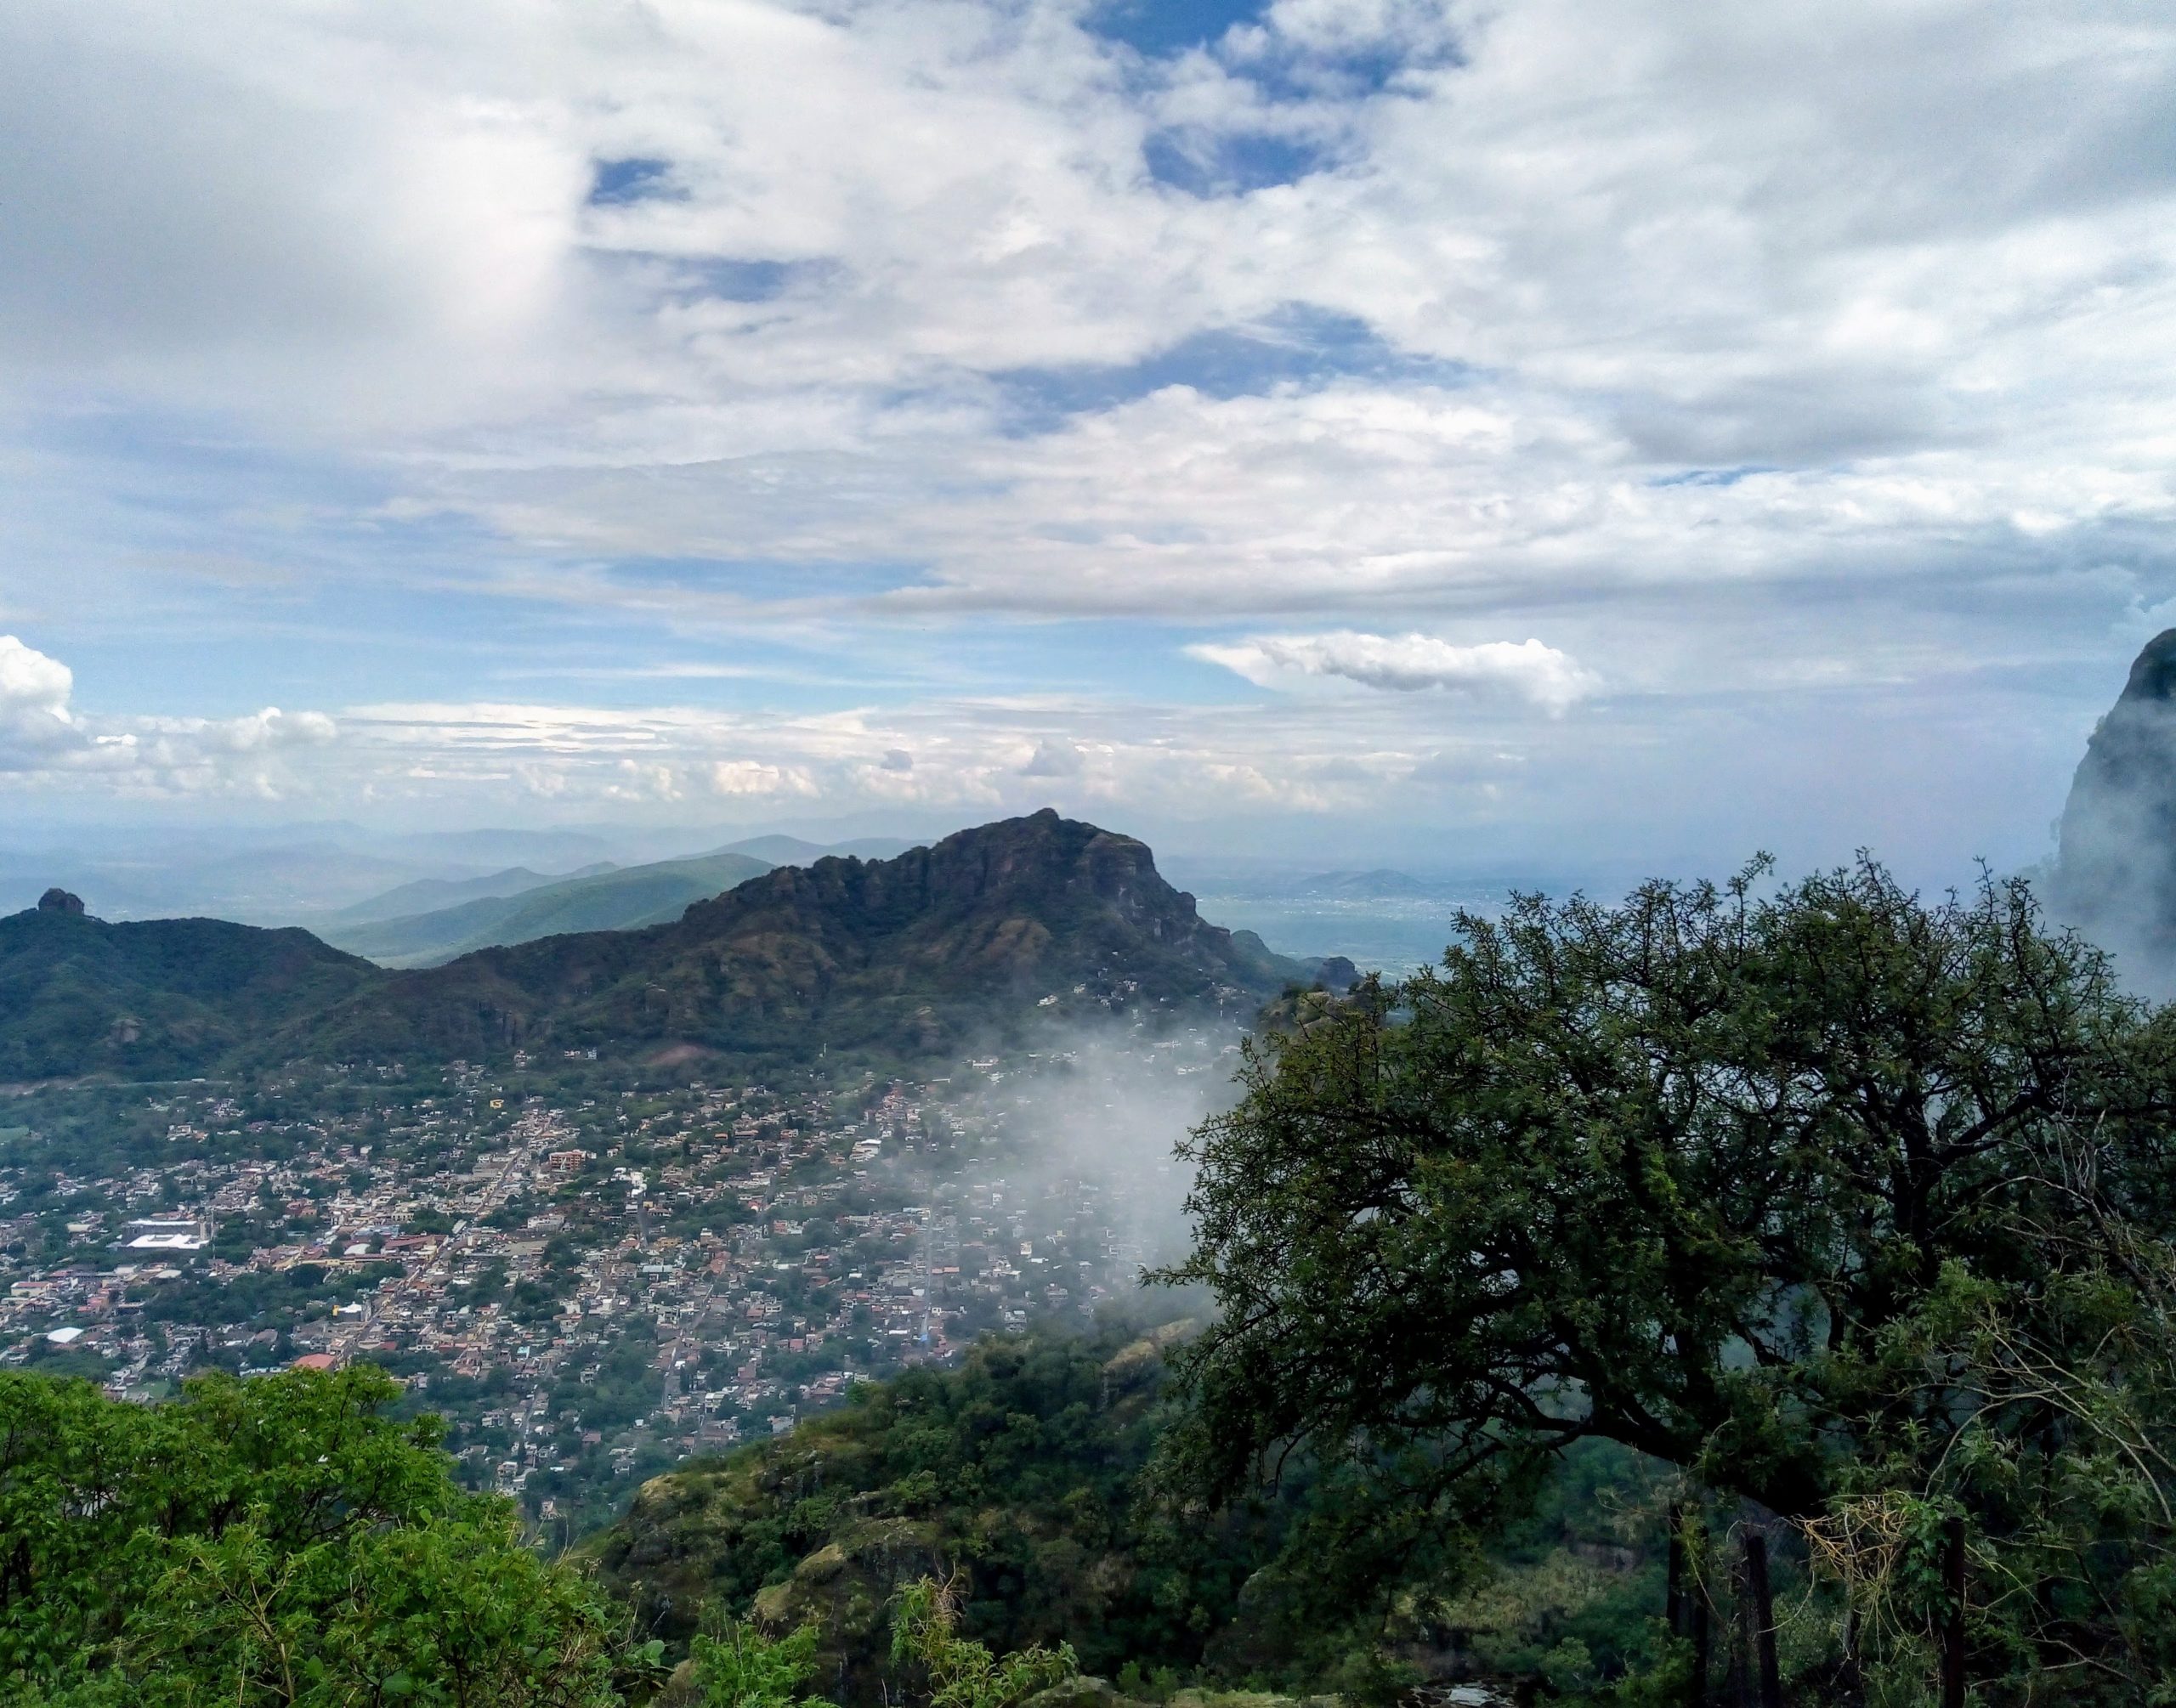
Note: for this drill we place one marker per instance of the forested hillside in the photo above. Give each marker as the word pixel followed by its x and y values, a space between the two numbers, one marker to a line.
pixel 153 999
pixel 909 956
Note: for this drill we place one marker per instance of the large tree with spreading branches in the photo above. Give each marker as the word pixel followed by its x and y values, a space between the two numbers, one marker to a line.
pixel 1842 1202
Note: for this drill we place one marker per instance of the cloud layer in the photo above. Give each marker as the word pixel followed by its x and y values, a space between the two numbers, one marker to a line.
pixel 909 361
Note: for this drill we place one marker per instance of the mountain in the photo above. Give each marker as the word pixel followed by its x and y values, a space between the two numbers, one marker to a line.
pixel 153 999
pixel 909 955
pixel 433 895
pixel 791 851
pixel 161 877
pixel 615 899
pixel 2114 876
pixel 940 948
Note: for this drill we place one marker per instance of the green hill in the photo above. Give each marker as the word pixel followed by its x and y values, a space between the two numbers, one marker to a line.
pixel 152 998
pixel 625 898
pixel 913 955
pixel 436 895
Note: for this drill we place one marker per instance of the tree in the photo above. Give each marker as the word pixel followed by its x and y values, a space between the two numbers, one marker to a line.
pixel 276 1541
pixel 1822 1194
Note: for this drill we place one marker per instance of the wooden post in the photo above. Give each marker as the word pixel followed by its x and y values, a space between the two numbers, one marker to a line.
pixel 1764 1619
pixel 1953 1630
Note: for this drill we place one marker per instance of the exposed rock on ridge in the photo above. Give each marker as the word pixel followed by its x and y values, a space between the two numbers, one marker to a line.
pixel 2115 872
pixel 912 954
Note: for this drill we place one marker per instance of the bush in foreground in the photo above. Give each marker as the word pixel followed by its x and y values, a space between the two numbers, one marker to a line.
pixel 276 1541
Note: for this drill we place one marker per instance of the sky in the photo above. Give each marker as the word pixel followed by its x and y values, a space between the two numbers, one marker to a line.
pixel 1540 432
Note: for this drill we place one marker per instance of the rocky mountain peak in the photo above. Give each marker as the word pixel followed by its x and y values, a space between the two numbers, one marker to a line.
pixel 2115 872
pixel 60 901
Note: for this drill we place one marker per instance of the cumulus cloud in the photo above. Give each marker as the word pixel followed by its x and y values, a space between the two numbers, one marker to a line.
pixel 34 691
pixel 746 777
pixel 44 740
pixel 1054 756
pixel 1525 671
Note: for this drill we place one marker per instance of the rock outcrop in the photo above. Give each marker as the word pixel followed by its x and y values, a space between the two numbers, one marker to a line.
pixel 2115 871
pixel 60 901
pixel 917 955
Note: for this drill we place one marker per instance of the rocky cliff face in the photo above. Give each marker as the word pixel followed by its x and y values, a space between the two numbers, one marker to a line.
pixel 2114 872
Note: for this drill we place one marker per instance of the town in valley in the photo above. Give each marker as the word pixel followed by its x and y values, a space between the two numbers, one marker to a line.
pixel 588 1282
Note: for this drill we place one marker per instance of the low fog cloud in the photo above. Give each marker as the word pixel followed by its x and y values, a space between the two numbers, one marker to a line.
pixel 1093 1119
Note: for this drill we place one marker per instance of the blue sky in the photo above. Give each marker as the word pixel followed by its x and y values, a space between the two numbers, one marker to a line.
pixel 1459 433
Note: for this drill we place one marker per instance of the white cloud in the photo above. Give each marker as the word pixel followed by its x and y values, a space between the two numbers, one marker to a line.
pixel 1054 756
pixel 34 691
pixel 1771 346
pixel 1524 671
pixel 44 740
pixel 746 777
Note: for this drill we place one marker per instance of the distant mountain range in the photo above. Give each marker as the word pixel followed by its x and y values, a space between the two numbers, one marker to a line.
pixel 616 899
pixel 432 921
pixel 331 874
pixel 916 955
pixel 791 851
pixel 436 895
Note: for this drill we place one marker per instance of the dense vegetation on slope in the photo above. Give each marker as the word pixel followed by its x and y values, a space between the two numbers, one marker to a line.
pixel 153 999
pixel 1027 1471
pixel 275 1541
pixel 1022 1467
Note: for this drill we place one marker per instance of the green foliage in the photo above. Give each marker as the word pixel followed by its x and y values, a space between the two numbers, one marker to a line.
pixel 275 1541
pixel 737 1666
pixel 1021 1468
pixel 962 1672
pixel 1836 1200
